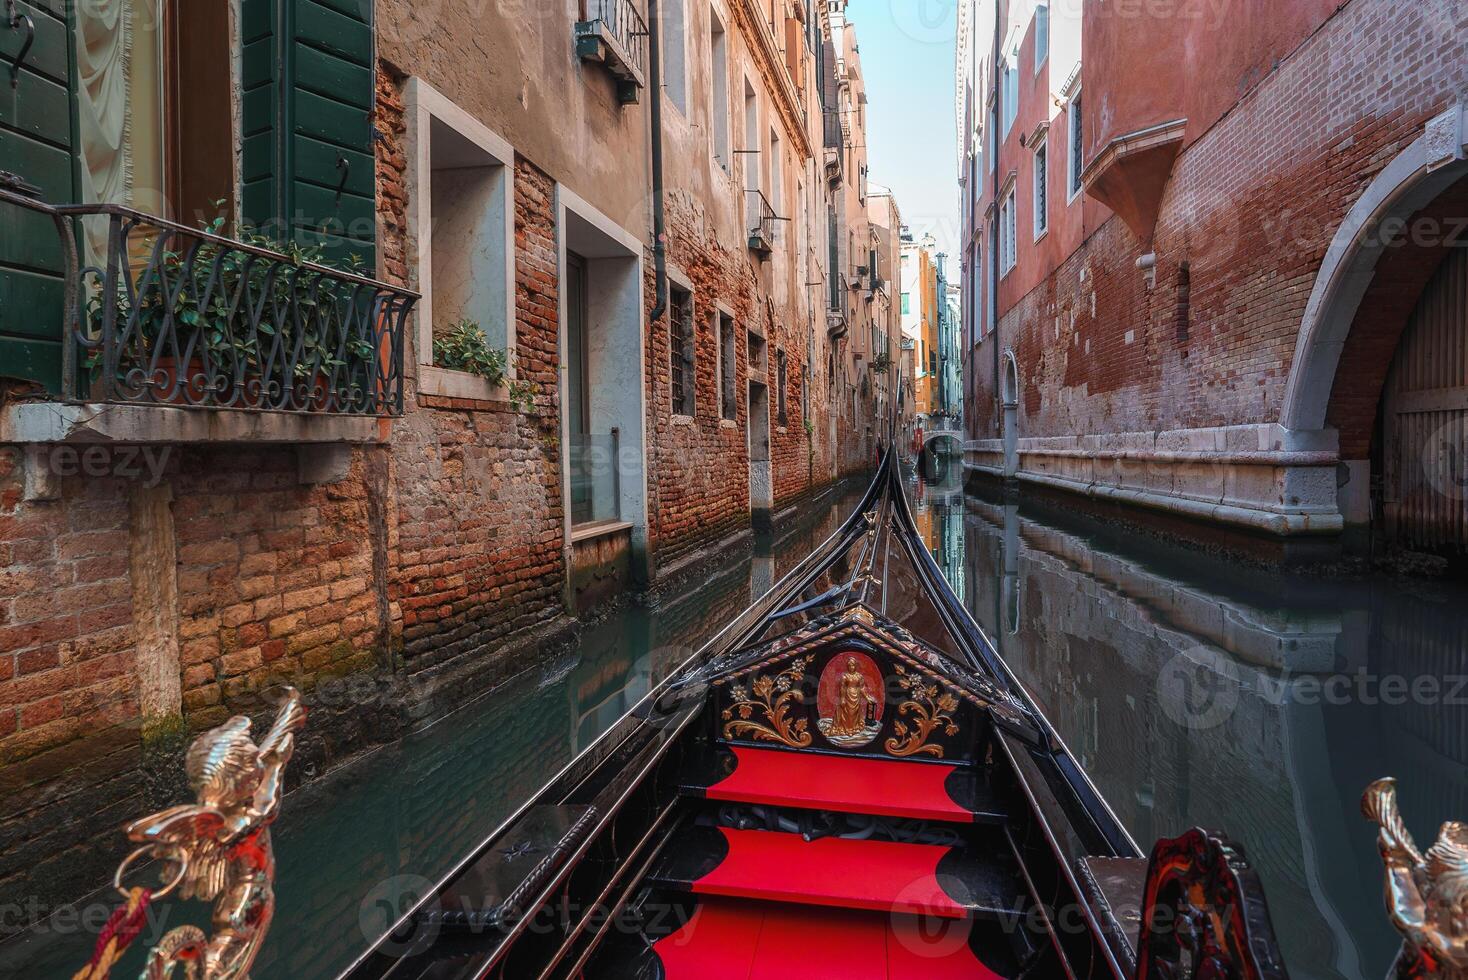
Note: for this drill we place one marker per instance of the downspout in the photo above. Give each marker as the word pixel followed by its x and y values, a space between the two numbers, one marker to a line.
pixel 994 238
pixel 659 216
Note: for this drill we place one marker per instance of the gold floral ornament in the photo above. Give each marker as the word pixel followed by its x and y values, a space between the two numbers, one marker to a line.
pixel 929 709
pixel 1427 896
pixel 772 698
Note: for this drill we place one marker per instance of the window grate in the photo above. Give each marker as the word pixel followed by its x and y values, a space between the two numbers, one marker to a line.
pixel 682 342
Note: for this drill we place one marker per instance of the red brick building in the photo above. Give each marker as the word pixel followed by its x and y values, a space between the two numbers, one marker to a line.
pixel 252 466
pixel 1209 268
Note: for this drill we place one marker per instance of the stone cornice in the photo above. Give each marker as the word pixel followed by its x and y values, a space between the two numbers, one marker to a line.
pixel 772 71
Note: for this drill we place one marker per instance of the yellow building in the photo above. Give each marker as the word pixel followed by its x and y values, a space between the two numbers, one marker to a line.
pixel 920 319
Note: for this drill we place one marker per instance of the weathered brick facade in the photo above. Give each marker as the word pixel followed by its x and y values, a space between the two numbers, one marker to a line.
pixel 399 572
pixel 1184 337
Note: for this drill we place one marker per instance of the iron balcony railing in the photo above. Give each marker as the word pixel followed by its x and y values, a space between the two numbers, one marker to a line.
pixel 615 34
pixel 762 220
pixel 169 315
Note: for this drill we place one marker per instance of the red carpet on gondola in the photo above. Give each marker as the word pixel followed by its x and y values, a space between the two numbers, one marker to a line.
pixel 847 784
pixel 836 871
pixel 731 939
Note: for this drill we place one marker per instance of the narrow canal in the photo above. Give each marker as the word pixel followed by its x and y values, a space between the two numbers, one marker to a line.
pixel 1200 692
pixel 351 846
pixel 1195 691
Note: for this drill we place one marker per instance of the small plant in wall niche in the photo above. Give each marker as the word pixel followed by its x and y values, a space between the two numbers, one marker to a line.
pixel 882 363
pixel 465 348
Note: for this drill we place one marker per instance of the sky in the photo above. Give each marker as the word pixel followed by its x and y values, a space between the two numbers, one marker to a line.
pixel 907 54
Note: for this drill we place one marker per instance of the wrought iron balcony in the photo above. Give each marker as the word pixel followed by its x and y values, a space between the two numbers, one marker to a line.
pixel 615 35
pixel 762 220
pixel 167 315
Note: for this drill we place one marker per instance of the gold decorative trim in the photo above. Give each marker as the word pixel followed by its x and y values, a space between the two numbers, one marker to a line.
pixel 773 697
pixel 930 708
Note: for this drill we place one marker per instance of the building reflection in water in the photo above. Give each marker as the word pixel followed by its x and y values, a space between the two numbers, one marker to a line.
pixel 1198 691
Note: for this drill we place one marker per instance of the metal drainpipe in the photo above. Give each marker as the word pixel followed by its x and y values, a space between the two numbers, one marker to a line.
pixel 995 238
pixel 659 216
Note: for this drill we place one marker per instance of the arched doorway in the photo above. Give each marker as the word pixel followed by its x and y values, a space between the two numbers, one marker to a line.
pixel 1376 267
pixel 1424 419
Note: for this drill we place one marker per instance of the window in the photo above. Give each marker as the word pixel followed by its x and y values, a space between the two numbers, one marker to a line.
pixel 682 343
pixel 756 352
pixel 906 304
pixel 674 24
pixel 780 385
pixel 1042 35
pixel 833 257
pixel 1009 91
pixel 728 404
pixel 777 177
pixel 462 221
pixel 1077 165
pixel 719 109
pixel 1007 232
pixel 1042 190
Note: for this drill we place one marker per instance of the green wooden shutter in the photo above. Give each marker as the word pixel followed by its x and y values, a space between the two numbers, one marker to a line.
pixel 37 137
pixel 308 91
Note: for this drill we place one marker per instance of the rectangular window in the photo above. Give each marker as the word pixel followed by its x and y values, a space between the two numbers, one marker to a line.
pixel 756 352
pixel 728 405
pixel 780 384
pixel 906 304
pixel 1042 35
pixel 675 53
pixel 1009 92
pixel 1077 162
pixel 719 90
pixel 777 176
pixel 682 344
pixel 1042 191
pixel 1007 230
pixel 833 258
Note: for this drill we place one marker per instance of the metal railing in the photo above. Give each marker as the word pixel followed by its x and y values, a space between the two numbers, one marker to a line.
pixel 623 23
pixel 177 316
pixel 762 220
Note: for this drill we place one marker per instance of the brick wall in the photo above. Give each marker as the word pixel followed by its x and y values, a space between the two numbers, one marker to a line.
pixel 1252 206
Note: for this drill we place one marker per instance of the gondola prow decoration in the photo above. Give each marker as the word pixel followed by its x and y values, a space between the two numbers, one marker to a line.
pixel 215 850
pixel 1427 896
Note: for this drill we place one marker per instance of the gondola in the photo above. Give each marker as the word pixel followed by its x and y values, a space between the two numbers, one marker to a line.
pixel 847 781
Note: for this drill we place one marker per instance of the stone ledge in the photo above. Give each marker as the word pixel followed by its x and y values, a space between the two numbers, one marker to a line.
pixel 59 422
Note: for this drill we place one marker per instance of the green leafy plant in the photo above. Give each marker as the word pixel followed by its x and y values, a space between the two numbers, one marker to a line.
pixel 882 363
pixel 466 348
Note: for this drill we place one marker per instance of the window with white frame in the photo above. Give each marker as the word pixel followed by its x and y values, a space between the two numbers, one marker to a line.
pixel 719 90
pixel 777 175
pixel 674 24
pixel 1042 35
pixel 462 222
pixel 1007 233
pixel 1077 148
pixel 1042 189
pixel 1009 90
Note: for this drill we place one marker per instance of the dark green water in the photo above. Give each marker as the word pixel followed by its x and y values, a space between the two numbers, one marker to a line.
pixel 350 844
pixel 1200 692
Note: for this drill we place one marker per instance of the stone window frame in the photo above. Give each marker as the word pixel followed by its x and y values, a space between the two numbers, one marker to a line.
pixel 722 314
pixel 1040 185
pixel 677 279
pixel 1075 135
pixel 424 105
pixel 1008 226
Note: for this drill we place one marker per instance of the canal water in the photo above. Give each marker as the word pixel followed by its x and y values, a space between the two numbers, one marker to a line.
pixel 1194 690
pixel 353 845
pixel 1201 692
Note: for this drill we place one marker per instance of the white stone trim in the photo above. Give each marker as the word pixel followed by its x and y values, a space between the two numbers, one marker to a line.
pixel 1407 183
pixel 424 104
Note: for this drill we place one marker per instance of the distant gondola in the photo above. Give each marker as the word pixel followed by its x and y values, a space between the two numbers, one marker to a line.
pixel 846 782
